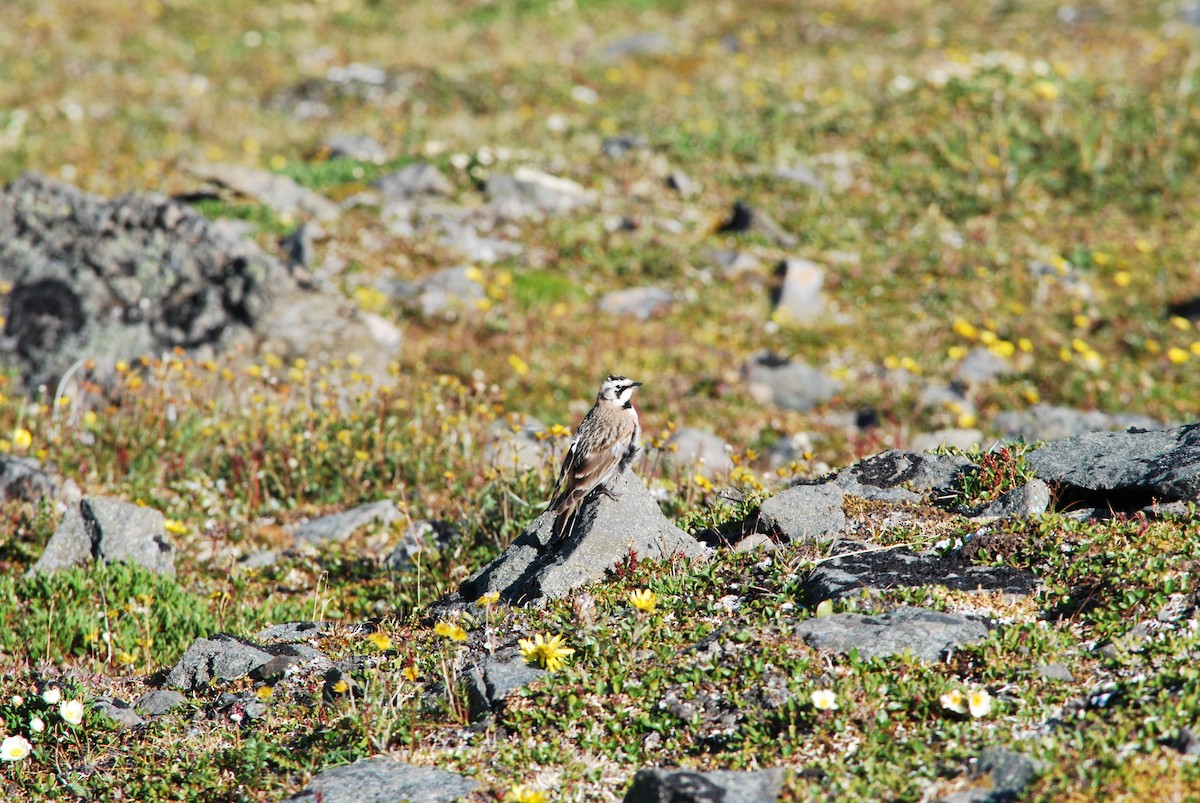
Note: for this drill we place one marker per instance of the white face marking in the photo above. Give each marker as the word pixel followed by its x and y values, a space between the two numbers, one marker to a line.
pixel 618 389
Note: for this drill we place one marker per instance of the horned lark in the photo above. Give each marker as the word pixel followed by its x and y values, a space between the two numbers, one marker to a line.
pixel 606 442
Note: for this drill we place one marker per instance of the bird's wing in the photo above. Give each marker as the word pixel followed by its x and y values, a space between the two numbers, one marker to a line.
pixel 583 472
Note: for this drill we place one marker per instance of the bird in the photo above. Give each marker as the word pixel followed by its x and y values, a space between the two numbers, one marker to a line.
pixel 606 442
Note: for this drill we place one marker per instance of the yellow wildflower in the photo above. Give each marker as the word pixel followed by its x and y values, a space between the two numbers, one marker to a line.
pixel 520 793
pixel 381 640
pixel 549 653
pixel 643 600
pixel 488 599
pixel 450 630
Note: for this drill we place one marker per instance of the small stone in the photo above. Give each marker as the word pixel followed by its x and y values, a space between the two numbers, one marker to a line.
pixel 641 303
pixel 802 176
pixel 690 786
pixel 744 218
pixel 530 192
pixel 340 526
pixel 277 191
pixel 771 379
pixel 797 299
pixel 157 702
pixel 1031 499
pixel 964 439
pixel 805 513
pixel 22 478
pixel 421 536
pixel 381 779
pixel 981 366
pixel 359 147
pixel 928 635
pixel 492 680
pixel 1056 671
pixel 680 183
pixel 416 180
pixel 698 451
pixel 118 710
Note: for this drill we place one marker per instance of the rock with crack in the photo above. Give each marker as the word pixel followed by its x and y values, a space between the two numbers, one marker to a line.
pixel 1125 468
pixel 492 680
pixel 109 530
pixel 682 786
pixel 927 634
pixel 541 565
pixel 381 779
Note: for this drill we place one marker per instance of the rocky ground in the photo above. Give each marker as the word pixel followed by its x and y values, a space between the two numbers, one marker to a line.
pixel 299 311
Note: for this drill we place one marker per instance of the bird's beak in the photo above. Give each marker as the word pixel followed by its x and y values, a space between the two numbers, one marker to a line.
pixel 637 384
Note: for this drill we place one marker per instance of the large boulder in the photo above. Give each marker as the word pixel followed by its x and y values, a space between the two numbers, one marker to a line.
pixel 546 563
pixel 109 530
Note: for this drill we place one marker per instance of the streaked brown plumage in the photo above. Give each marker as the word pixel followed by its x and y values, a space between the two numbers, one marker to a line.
pixel 605 443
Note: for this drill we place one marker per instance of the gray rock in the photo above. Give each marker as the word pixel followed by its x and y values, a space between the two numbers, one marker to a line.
pixel 518 449
pixel 805 513
pixel 107 280
pixel 340 526
pixel 445 293
pixel 1056 671
pixel 323 328
pixel 680 183
pixel 699 451
pixel 297 247
pixel 949 398
pixel 541 564
pixel 157 702
pixel 1011 772
pixel 964 439
pixel 744 218
pixel 1042 422
pixel 899 476
pixel 791 385
pixel 798 299
pixel 690 786
pixel 927 634
pixel 790 449
pixel 118 710
pixel 380 779
pixel 480 250
pixel 1163 464
pixel 280 192
pixel 260 559
pixel 651 43
pixel 531 192
pixel 416 180
pixel 734 264
pixel 491 680
pixel 293 632
pixel 642 303
pixel 1031 499
pixel 801 175
pixel 981 366
pixel 22 478
pixel 359 147
pixel 108 530
pixel 621 144
pixel 858 566
pixel 225 657
pixel 421 536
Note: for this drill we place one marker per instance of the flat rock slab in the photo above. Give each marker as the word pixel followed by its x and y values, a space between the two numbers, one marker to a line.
pixel 1043 422
pixel 119 711
pixel 157 702
pixel 1163 464
pixel 690 786
pixel 900 476
pixel 380 779
pixel 225 657
pixel 541 564
pixel 772 379
pixel 805 513
pixel 927 634
pixel 860 566
pixel 340 526
pixel 110 530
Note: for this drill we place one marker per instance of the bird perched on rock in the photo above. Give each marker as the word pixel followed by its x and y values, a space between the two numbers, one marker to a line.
pixel 606 442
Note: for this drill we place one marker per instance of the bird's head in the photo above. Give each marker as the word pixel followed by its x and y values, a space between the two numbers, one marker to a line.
pixel 617 390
